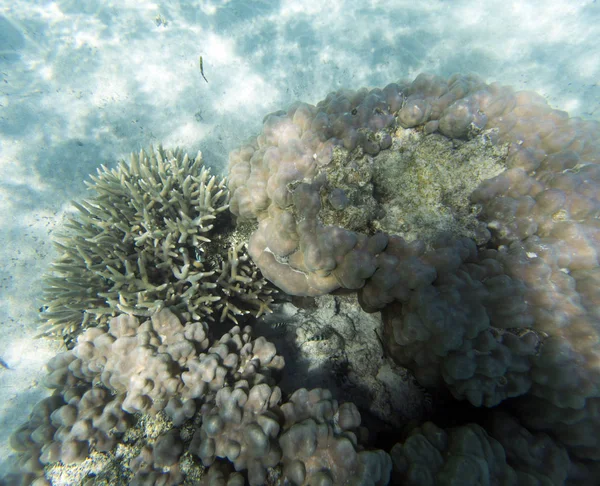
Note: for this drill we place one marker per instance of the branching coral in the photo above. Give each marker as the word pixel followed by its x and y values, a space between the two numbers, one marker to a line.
pixel 153 235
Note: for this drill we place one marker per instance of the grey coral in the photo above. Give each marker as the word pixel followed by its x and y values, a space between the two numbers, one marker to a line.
pixel 151 235
pixel 504 307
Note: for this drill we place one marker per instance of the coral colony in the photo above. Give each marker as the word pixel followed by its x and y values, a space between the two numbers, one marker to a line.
pixel 146 240
pixel 464 214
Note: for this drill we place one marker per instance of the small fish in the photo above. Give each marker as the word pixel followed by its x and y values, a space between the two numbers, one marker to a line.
pixel 4 365
pixel 202 70
pixel 317 337
pixel 160 20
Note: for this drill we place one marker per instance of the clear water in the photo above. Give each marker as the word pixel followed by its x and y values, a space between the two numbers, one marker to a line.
pixel 85 83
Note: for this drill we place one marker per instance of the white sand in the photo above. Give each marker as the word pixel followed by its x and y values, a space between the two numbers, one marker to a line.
pixel 84 83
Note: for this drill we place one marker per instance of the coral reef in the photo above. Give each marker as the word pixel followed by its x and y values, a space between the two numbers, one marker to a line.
pixel 320 180
pixel 496 296
pixel 465 213
pixel 158 367
pixel 153 235
pixel 334 344
pixel 467 454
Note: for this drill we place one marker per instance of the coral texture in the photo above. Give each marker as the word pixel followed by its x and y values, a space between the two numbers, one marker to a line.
pixel 506 307
pixel 151 236
pixel 310 181
pixel 164 366
pixel 488 289
pixel 469 455
pixel 320 444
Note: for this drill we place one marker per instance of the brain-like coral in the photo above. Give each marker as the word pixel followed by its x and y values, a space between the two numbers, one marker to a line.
pixel 153 234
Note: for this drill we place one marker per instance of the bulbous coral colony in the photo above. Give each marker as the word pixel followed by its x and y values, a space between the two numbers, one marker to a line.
pixel 465 213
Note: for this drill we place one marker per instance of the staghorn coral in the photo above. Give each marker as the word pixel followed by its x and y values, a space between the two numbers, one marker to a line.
pixel 152 235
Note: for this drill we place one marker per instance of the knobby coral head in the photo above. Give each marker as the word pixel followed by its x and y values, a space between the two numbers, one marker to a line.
pixel 467 213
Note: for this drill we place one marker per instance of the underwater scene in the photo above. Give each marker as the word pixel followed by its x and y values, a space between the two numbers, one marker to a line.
pixel 294 243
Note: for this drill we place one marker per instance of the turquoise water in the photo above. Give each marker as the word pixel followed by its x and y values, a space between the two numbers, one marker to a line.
pixel 84 84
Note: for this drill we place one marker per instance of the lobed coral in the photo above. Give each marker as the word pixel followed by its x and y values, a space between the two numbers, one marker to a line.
pixel 153 235
pixel 318 179
pixel 321 443
pixel 164 366
pixel 502 305
pixel 468 454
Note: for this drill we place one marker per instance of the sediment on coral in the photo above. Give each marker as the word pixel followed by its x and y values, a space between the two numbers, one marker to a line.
pixel 501 306
pixel 322 182
pixel 153 234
